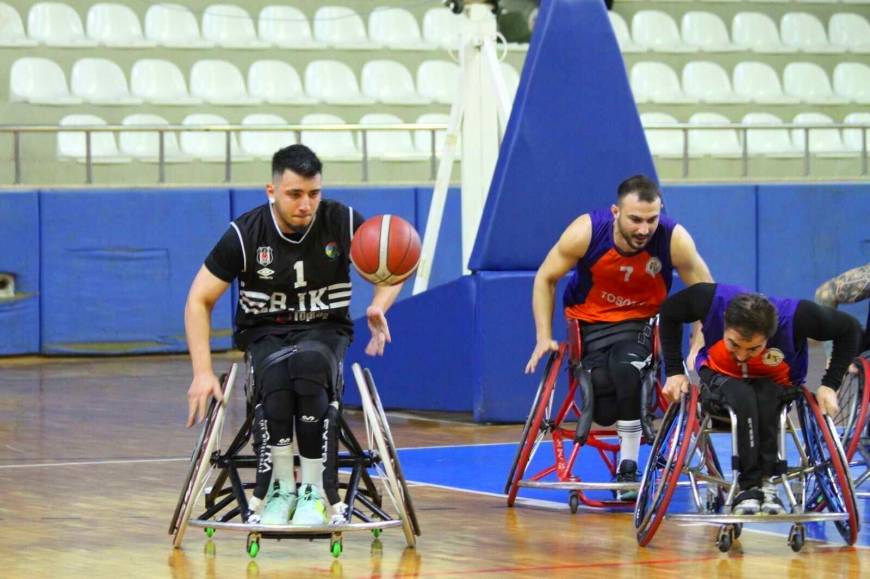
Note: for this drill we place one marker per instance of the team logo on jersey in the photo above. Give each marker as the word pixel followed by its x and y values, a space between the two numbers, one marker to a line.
pixel 331 250
pixel 653 266
pixel 773 357
pixel 265 273
pixel 264 256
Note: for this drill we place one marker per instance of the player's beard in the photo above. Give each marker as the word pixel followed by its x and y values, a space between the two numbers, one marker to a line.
pixel 632 241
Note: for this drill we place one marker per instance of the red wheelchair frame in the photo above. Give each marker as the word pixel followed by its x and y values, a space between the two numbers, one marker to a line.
pixel 541 422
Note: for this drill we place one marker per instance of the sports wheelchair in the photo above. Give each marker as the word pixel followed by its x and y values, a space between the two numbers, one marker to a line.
pixel 225 501
pixel 853 423
pixel 683 449
pixel 573 405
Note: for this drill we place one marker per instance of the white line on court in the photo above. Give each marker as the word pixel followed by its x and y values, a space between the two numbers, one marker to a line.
pixel 94 462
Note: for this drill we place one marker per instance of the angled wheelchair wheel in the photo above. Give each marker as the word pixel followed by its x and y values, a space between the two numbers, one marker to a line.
pixel 534 429
pixel 829 480
pixel 853 397
pixel 207 443
pixel 664 466
pixel 380 440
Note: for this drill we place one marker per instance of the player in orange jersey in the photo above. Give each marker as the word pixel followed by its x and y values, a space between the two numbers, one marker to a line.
pixel 622 260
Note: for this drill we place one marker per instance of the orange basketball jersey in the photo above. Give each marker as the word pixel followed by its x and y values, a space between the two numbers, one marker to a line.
pixel 608 285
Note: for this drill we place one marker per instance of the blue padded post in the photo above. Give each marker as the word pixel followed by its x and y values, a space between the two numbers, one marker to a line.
pixel 20 258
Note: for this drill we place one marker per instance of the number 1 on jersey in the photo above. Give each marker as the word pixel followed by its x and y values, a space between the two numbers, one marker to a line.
pixel 627 269
pixel 299 266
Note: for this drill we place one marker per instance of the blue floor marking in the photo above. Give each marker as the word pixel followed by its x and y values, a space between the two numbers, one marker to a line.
pixel 484 468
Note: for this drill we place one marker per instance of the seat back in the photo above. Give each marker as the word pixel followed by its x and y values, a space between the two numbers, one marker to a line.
pixel 284 23
pixel 847 30
pixel 156 79
pixel 386 79
pixel 620 29
pixel 330 79
pixel 263 144
pixel 437 79
pixel 337 25
pixel 802 30
pixel 171 25
pixel 36 77
pixel 423 139
pixel 113 24
pixel 328 144
pixel 72 144
pixel 381 143
pixel 394 27
pixel 703 29
pixel 766 141
pixel 11 26
pixel 216 79
pixel 143 144
pixel 274 79
pixel 54 23
pixel 715 141
pixel 756 80
pixel 705 80
pixel 754 30
pixel 806 80
pixel 821 140
pixel 852 79
pixel 442 27
pixel 228 24
pixel 654 29
pixel 203 144
pixel 852 138
pixel 98 79
pixel 662 142
pixel 654 80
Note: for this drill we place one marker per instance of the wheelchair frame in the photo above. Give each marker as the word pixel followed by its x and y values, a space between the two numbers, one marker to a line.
pixel 853 423
pixel 542 422
pixel 683 447
pixel 365 509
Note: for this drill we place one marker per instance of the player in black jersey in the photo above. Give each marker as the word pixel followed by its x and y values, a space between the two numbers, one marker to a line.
pixel 291 257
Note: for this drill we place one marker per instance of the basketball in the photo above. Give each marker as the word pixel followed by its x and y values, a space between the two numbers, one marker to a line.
pixel 385 250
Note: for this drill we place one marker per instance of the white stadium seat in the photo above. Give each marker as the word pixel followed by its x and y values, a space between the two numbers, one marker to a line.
pixel 438 80
pixel 277 83
pixel 825 142
pixel 396 28
pixel 263 144
pixel 209 146
pixel 160 82
pixel 442 27
pixel 116 25
pixel 230 26
pixel 757 32
pixel 101 81
pixel 768 142
pixel 662 142
pixel 333 82
pixel 72 145
pixel 852 81
pixel 809 82
pixel 145 145
pixel 623 36
pixel 852 137
pixel 849 32
pixel 341 27
pixel 12 28
pixel 708 82
pixel 657 82
pixel 286 27
pixel 388 145
pixel 706 31
pixel 174 26
pixel 219 82
pixel 56 24
pixel 39 81
pixel 332 145
pixel 389 82
pixel 423 139
pixel 805 32
pixel 655 30
pixel 713 142
pixel 758 82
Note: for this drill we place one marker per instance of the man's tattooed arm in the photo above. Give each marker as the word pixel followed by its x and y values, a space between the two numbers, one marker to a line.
pixel 847 288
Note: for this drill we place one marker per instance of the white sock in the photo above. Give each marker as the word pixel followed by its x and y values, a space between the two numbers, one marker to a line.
pixel 282 467
pixel 629 439
pixel 311 471
pixel 254 504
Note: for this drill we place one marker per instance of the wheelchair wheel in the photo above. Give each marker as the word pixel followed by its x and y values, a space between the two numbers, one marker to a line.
pixel 207 443
pixel 381 442
pixel 853 397
pixel 533 431
pixel 664 466
pixel 830 477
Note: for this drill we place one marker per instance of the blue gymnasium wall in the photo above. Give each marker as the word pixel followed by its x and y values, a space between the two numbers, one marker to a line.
pixel 19 256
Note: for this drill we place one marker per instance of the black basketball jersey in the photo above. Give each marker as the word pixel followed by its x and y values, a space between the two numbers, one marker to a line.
pixel 288 282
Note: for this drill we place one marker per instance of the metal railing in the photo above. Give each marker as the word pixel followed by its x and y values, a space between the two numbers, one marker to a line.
pixel 363 130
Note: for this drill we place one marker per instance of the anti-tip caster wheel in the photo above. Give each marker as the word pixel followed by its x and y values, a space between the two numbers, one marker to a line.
pixel 253 546
pixel 725 538
pixel 797 537
pixel 573 503
pixel 335 547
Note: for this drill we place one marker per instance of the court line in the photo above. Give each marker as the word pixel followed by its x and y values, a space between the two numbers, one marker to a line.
pixel 94 462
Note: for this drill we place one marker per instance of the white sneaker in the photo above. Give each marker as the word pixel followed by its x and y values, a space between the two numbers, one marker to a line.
pixel 279 507
pixel 771 504
pixel 310 509
pixel 748 502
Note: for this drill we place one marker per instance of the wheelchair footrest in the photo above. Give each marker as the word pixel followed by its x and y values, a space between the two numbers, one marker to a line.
pixel 295 529
pixel 721 519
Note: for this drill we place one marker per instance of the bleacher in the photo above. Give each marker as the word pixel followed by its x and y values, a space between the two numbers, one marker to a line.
pixel 377 62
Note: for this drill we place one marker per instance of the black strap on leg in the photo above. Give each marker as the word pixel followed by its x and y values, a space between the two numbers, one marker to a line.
pixel 586 405
pixel 648 402
pixel 330 453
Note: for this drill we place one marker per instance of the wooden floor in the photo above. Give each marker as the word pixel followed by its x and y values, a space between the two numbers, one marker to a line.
pixel 93 452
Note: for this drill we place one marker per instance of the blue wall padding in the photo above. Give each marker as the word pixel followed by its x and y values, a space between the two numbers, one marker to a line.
pixel 19 256
pixel 447 264
pixel 573 136
pixel 118 264
pixel 810 233
pixel 722 221
pixel 428 365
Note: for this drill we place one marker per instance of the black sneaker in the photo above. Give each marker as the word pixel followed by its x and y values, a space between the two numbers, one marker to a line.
pixel 627 474
pixel 748 502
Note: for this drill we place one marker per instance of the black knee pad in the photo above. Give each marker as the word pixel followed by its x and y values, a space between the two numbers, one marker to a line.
pixel 602 385
pixel 315 363
pixel 606 410
pixel 278 409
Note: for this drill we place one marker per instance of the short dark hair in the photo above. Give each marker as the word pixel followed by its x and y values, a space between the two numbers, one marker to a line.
pixel 751 314
pixel 645 188
pixel 297 158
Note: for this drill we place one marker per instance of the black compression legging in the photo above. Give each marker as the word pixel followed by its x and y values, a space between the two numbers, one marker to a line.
pixel 617 384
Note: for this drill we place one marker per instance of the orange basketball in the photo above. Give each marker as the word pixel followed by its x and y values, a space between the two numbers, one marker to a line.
pixel 385 249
